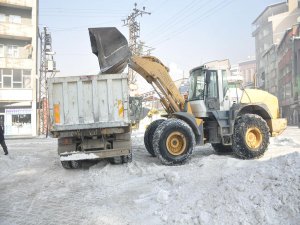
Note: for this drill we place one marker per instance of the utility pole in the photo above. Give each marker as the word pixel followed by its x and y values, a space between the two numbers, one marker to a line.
pixel 134 34
pixel 47 70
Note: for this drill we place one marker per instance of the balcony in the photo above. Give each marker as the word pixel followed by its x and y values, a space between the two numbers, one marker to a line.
pixel 16 94
pixel 16 31
pixel 17 3
pixel 16 63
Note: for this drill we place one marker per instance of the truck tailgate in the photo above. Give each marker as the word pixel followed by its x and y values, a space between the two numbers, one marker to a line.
pixel 87 102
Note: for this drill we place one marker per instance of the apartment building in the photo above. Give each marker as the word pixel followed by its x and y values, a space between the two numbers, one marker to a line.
pixel 288 59
pixel 18 66
pixel 269 60
pixel 247 70
pixel 270 27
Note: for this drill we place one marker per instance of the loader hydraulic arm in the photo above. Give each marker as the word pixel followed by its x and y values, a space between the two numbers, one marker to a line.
pixel 157 74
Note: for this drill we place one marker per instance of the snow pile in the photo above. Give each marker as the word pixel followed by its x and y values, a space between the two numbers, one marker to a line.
pixel 285 141
pixel 208 189
pixel 78 156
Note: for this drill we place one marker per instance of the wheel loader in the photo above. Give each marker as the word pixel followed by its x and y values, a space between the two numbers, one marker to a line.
pixel 229 117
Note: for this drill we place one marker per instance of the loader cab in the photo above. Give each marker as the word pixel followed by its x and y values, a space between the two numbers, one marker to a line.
pixel 207 89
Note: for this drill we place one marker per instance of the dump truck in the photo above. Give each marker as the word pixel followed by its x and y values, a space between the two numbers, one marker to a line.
pixel 90 117
pixel 230 118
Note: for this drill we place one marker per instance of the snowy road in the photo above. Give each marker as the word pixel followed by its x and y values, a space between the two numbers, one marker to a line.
pixel 209 189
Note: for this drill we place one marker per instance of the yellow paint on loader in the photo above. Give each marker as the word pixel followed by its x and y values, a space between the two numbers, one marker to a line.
pixel 254 96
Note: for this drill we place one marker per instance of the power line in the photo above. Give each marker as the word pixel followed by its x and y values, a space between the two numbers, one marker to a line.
pixel 83 9
pixel 192 23
pixel 178 13
pixel 59 29
pixel 179 19
pixel 85 16
pixel 158 8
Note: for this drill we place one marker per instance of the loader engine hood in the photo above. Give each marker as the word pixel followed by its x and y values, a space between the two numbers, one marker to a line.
pixel 111 48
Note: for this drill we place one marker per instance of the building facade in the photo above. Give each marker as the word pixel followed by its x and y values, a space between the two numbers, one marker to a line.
pixel 288 64
pixel 269 28
pixel 269 76
pixel 18 66
pixel 247 70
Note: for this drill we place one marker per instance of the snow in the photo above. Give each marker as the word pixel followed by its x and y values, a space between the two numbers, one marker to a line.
pixel 78 156
pixel 208 189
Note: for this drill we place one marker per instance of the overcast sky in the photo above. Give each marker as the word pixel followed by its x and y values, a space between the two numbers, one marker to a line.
pixel 185 34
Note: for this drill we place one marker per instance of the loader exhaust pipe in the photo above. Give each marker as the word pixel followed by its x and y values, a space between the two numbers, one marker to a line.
pixel 111 48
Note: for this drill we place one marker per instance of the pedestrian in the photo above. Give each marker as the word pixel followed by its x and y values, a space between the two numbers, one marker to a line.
pixel 2 141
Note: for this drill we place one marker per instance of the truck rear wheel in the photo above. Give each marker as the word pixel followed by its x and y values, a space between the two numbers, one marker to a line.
pixel 127 158
pixel 66 164
pixel 148 137
pixel 76 164
pixel 221 149
pixel 115 160
pixel 173 142
pixel 250 136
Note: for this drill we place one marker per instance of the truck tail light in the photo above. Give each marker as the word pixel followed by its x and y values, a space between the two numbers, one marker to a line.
pixel 56 110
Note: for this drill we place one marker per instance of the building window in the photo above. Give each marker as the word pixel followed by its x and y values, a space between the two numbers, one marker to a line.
pixel 12 51
pixel 1 50
pixel 6 82
pixel 288 91
pixel 14 19
pixel 15 78
pixel 26 78
pixel 2 17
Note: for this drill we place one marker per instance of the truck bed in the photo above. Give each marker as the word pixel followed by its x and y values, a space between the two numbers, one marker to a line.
pixel 88 102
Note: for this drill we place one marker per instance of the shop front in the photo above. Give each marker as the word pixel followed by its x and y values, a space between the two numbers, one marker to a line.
pixel 17 122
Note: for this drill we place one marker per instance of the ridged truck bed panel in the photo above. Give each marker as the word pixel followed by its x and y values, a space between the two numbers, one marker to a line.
pixel 84 102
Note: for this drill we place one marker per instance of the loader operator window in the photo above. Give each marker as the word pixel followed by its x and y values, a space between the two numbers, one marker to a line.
pixel 197 85
pixel 212 90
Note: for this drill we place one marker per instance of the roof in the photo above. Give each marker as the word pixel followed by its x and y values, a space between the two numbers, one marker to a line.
pixel 286 33
pixel 284 36
pixel 268 7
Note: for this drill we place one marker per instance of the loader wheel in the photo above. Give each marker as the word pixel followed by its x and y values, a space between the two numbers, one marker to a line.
pixel 149 133
pixel 66 164
pixel 221 149
pixel 173 142
pixel 250 136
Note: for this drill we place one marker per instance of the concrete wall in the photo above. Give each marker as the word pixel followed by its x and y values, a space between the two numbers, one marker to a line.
pixel 25 14
pixel 24 36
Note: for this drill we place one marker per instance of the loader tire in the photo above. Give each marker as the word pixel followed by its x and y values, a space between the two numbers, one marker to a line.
pixel 173 142
pixel 250 137
pixel 148 137
pixel 66 164
pixel 221 149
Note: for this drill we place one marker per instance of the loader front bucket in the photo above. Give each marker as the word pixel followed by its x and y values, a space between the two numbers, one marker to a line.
pixel 111 48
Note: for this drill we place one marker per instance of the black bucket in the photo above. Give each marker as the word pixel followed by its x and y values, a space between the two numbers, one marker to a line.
pixel 111 48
